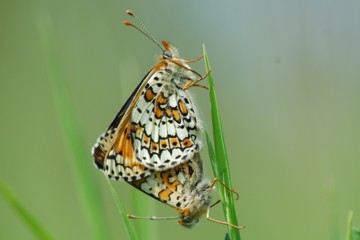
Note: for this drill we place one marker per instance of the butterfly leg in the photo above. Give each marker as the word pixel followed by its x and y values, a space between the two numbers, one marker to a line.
pixel 195 83
pixel 227 187
pixel 216 203
pixel 220 222
pixel 194 60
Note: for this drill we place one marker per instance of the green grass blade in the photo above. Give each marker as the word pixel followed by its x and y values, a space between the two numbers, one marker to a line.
pixel 349 225
pixel 145 229
pixel 227 236
pixel 79 155
pixel 24 214
pixel 128 227
pixel 220 164
pixel 352 233
pixel 355 234
pixel 212 156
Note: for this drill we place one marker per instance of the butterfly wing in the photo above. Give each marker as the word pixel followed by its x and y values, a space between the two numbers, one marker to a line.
pixel 113 151
pixel 173 186
pixel 156 129
pixel 164 124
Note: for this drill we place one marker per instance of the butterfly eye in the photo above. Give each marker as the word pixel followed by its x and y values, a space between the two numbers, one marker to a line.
pixel 188 221
pixel 167 54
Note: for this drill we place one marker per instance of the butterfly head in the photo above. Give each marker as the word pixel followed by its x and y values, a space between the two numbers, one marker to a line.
pixel 198 206
pixel 188 221
pixel 169 51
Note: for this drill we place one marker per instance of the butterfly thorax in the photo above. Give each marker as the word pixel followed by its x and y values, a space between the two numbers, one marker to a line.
pixel 177 72
pixel 177 67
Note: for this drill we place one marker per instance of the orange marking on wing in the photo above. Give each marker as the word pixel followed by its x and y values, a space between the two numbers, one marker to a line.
pixel 134 127
pixel 123 144
pixel 158 112
pixel 174 185
pixel 165 176
pixel 174 142
pixel 99 156
pixel 186 143
pixel 164 144
pixel 146 140
pixel 154 147
pixel 176 115
pixel 183 108
pixel 165 194
pixel 161 99
pixel 168 113
pixel 149 95
pixel 138 183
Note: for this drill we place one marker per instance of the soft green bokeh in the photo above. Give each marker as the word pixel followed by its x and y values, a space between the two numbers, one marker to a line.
pixel 288 86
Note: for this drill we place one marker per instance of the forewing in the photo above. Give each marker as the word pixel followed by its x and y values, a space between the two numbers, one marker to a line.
pixel 164 125
pixel 113 152
pixel 120 162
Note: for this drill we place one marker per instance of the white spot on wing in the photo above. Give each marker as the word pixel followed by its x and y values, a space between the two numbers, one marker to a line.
pixel 181 133
pixel 155 133
pixel 163 130
pixel 170 127
pixel 155 158
pixel 165 155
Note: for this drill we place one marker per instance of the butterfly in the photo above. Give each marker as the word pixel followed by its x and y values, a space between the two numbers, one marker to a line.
pixel 183 188
pixel 157 127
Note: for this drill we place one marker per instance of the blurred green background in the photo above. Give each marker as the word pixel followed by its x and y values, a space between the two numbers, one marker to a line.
pixel 288 82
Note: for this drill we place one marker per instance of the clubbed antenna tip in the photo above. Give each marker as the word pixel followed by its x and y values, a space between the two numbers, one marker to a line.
pixel 127 23
pixel 143 29
pixel 131 13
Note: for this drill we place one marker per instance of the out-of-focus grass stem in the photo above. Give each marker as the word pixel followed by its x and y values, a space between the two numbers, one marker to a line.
pixel 37 229
pixel 79 157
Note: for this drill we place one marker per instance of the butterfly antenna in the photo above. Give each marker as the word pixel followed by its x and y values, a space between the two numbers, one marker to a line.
pixel 143 29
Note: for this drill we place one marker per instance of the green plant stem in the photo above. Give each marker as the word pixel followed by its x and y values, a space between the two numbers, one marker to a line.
pixel 349 225
pixel 24 214
pixel 128 226
pixel 220 163
pixel 79 161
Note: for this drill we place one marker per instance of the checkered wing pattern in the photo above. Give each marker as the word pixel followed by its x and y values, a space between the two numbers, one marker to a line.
pixel 113 151
pixel 181 187
pixel 164 123
pixel 157 127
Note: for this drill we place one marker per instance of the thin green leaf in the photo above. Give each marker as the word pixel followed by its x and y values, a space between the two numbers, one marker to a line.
pixel 352 233
pixel 227 237
pixel 221 165
pixel 78 155
pixel 212 154
pixel 355 234
pixel 128 227
pixel 349 225
pixel 23 213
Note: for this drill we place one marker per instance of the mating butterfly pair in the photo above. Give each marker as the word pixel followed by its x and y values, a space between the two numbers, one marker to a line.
pixel 153 141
